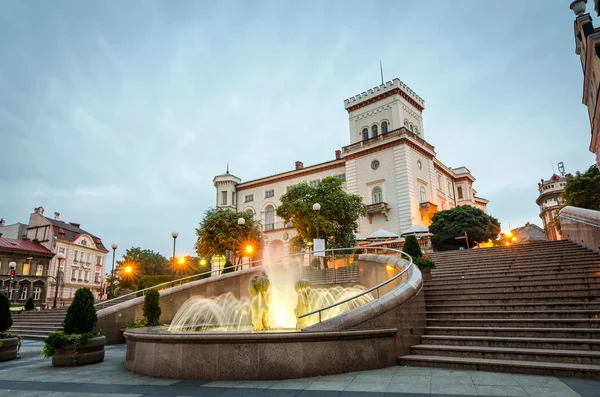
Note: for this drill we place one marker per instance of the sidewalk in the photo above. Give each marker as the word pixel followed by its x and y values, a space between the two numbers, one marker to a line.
pixel 32 375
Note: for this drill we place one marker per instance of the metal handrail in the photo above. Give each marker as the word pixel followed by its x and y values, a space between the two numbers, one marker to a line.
pixel 410 264
pixel 237 267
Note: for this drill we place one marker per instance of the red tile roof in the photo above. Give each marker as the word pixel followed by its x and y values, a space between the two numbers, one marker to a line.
pixel 9 244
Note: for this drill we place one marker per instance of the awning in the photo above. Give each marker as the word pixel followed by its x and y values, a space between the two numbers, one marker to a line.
pixel 381 234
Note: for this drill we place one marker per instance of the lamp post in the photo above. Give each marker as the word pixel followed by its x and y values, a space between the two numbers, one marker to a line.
pixel 60 257
pixel 174 235
pixel 241 222
pixel 317 208
pixel 112 272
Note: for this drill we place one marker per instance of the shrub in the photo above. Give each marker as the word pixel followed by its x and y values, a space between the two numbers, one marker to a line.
pixel 152 307
pixel 228 267
pixel 411 247
pixel 81 315
pixel 425 262
pixel 59 339
pixel 5 317
pixel 315 262
pixel 29 304
pixel 151 281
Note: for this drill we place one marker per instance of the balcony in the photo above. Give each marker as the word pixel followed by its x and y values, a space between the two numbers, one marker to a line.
pixel 428 209
pixel 376 210
pixel 269 227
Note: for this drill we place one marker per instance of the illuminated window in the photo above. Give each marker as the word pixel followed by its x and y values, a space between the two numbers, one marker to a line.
pixel 25 271
pixel 39 270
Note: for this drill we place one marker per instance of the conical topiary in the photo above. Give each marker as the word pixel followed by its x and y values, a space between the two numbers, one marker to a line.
pixel 228 268
pixel 5 317
pixel 411 247
pixel 152 307
pixel 81 315
pixel 29 304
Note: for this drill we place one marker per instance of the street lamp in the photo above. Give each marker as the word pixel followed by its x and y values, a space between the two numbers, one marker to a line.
pixel 174 235
pixel 317 208
pixel 60 257
pixel 241 221
pixel 112 272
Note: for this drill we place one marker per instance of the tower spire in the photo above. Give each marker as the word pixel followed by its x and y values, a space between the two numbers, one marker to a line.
pixel 227 167
pixel 381 70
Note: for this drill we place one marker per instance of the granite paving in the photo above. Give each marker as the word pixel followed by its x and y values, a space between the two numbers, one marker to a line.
pixel 32 375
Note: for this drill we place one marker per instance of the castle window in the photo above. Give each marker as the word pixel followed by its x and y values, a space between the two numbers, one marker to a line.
pixel 270 193
pixel 416 130
pixel 374 132
pixel 384 127
pixel 412 128
pixel 248 198
pixel 224 202
pixel 406 123
pixel 423 195
pixel 365 134
pixel 377 195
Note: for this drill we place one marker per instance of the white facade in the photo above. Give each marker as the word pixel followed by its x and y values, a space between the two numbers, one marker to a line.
pixel 388 164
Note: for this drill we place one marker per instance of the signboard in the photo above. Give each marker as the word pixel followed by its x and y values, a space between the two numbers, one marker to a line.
pixel 319 247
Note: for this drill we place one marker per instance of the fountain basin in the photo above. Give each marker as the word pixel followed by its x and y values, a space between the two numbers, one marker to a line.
pixel 155 351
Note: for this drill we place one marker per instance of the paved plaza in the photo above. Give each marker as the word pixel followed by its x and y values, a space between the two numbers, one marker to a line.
pixel 32 375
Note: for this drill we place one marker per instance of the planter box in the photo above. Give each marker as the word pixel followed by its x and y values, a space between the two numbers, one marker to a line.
pixel 9 349
pixel 426 273
pixel 90 352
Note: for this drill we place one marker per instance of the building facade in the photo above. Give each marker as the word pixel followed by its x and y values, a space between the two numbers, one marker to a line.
pixel 85 255
pixel 587 46
pixel 31 262
pixel 550 202
pixel 17 231
pixel 388 163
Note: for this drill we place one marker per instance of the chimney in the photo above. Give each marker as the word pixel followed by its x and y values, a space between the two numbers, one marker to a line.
pixel 56 216
pixel 299 165
pixel 1 222
pixel 338 154
pixel 75 224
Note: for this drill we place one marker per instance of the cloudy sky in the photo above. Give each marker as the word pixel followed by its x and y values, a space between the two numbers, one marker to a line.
pixel 118 114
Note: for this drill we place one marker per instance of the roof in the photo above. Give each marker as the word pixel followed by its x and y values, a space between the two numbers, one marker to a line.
pixel 24 246
pixel 68 231
pixel 416 229
pixel 359 237
pixel 381 233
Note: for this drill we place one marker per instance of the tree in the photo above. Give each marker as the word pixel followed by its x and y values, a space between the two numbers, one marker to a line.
pixel 29 304
pixel 144 262
pixel 583 190
pixel 449 224
pixel 338 217
pixel 81 315
pixel 411 247
pixel 5 317
pixel 219 232
pixel 152 307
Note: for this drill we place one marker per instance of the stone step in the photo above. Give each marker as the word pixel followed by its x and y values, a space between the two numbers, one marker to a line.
pixel 517 322
pixel 38 330
pixel 528 267
pixel 515 314
pixel 486 297
pixel 529 332
pixel 36 324
pixel 29 336
pixel 507 253
pixel 591 273
pixel 510 353
pixel 544 305
pixel 507 341
pixel 567 258
pixel 512 366
pixel 554 285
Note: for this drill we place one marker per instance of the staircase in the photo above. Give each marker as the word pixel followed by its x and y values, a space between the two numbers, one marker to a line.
pixel 531 308
pixel 37 325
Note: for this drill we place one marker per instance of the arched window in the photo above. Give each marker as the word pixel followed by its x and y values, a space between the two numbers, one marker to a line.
pixel 365 134
pixel 406 123
pixel 377 195
pixel 269 218
pixel 423 195
pixel 250 211
pixel 412 128
pixel 374 131
pixel 384 127
pixel 416 130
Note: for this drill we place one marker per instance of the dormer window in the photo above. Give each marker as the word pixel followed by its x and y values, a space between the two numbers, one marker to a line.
pixel 83 242
pixel 384 127
pixel 374 131
pixel 365 134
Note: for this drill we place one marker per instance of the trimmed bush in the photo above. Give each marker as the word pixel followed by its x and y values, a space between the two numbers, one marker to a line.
pixel 152 307
pixel 411 247
pixel 5 317
pixel 81 315
pixel 29 304
pixel 228 267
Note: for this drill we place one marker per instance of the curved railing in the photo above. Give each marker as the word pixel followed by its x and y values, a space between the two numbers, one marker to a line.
pixel 256 263
pixel 368 291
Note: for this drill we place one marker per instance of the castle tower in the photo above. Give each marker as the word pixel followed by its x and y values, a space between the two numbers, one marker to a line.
pixel 226 190
pixel 384 108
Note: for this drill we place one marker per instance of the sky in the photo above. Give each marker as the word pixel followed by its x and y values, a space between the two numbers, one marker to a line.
pixel 119 114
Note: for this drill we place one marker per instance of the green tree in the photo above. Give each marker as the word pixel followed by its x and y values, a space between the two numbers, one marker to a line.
pixel 449 224
pixel 583 190
pixel 29 304
pixel 411 247
pixel 81 315
pixel 152 309
pixel 338 217
pixel 5 317
pixel 144 262
pixel 219 232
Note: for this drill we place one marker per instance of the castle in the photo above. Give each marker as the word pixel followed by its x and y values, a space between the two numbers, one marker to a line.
pixel 388 163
